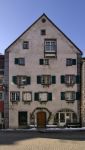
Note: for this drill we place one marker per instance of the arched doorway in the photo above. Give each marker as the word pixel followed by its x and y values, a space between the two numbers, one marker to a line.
pixel 64 116
pixel 41 119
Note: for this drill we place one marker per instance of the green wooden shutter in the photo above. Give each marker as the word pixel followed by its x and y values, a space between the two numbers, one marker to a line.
pixel 62 95
pixel 36 98
pixel 38 79
pixel 28 80
pixel 41 61
pixel 14 79
pixel 77 95
pixel 62 79
pixel 53 79
pixel 77 79
pixel 73 61
pixel 49 96
pixel 16 60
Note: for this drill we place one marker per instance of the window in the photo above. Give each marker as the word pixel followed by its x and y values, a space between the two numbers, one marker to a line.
pixel 21 80
pixel 14 96
pixel 70 79
pixel 46 79
pixel 25 44
pixel 27 96
pixel 70 62
pixel 43 96
pixel 1 80
pixel 44 61
pixel 20 61
pixel 70 95
pixel 50 48
pixel 1 95
pixel 43 20
pixel 43 32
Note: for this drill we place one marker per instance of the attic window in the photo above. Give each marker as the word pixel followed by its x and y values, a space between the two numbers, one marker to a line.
pixel 43 20
pixel 43 32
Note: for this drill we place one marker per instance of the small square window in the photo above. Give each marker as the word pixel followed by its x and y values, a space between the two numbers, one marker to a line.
pixel 27 96
pixel 26 45
pixel 43 32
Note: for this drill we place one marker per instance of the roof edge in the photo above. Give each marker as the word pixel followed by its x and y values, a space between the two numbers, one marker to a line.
pixel 53 25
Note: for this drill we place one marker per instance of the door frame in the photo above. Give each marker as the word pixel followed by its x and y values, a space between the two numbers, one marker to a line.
pixel 44 123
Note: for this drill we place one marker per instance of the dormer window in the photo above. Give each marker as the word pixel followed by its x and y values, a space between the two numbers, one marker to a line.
pixel 25 44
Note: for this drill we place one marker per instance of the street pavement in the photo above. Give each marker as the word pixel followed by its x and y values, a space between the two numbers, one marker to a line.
pixel 40 140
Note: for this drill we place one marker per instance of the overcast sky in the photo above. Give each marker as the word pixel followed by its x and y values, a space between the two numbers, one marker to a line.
pixel 17 15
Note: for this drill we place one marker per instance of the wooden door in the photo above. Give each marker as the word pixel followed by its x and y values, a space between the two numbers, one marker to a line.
pixel 41 119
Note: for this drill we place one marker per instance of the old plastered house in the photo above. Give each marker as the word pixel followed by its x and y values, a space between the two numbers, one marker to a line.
pixel 82 107
pixel 42 78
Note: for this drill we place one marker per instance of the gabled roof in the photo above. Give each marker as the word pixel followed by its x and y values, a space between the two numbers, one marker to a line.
pixel 44 15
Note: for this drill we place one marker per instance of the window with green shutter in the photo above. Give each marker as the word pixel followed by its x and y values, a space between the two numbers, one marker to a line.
pixel 53 79
pixel 38 79
pixel 77 95
pixel 73 61
pixel 62 79
pixel 62 95
pixel 36 97
pixel 77 79
pixel 16 61
pixel 41 61
pixel 28 80
pixel 14 79
pixel 49 96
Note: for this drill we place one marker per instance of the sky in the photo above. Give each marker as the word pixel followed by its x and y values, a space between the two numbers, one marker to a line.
pixel 17 15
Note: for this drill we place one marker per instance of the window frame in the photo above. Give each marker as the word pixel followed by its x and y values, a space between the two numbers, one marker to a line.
pixel 19 62
pixel 52 48
pixel 26 92
pixel 25 44
pixel 70 79
pixel 43 82
pixel 15 99
pixel 43 32
pixel 72 95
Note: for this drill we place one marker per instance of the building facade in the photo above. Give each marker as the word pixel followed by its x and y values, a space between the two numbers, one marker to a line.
pixel 83 92
pixel 1 91
pixel 42 78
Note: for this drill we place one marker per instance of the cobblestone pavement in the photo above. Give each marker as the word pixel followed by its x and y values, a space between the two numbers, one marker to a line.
pixel 73 140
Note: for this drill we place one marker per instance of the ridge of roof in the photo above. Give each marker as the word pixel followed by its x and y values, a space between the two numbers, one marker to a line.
pixel 53 25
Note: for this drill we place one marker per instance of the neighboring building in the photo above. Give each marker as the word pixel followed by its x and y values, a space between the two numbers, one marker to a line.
pixel 42 78
pixel 83 92
pixel 1 90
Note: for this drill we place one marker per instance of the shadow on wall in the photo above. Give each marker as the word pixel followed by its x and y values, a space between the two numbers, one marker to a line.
pixel 11 137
